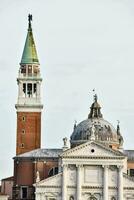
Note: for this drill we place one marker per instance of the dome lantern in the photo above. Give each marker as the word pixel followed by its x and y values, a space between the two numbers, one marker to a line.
pixel 95 109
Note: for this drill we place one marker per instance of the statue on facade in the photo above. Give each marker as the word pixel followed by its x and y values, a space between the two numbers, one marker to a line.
pixel 37 177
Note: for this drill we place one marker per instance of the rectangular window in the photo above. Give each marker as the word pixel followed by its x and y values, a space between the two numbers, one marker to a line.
pixel 131 172
pixel 23 118
pixel 24 192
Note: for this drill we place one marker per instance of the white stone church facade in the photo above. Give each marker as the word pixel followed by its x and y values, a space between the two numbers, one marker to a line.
pixel 94 168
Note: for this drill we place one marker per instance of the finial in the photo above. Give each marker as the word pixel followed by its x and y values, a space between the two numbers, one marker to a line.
pixel 95 95
pixel 65 147
pixel 75 124
pixel 118 121
pixel 30 18
pixel 65 141
pixel 95 98
pixel 118 126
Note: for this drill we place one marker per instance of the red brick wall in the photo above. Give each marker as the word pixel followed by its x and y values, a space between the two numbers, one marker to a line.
pixel 130 164
pixel 30 123
pixel 25 171
pixel 6 187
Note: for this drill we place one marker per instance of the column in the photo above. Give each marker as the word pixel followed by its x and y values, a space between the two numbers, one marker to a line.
pixel 105 183
pixel 20 85
pixel 64 182
pixel 78 192
pixel 38 90
pixel 120 183
pixel 26 89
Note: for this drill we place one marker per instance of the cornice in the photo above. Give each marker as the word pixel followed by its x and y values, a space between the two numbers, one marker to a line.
pixel 95 157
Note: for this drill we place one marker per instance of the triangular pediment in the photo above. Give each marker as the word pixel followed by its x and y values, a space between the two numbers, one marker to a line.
pixel 128 180
pixel 92 149
pixel 51 181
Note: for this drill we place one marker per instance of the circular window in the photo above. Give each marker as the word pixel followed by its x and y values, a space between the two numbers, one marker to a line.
pixel 92 150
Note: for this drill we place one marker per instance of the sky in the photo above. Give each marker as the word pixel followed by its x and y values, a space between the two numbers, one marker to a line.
pixel 81 45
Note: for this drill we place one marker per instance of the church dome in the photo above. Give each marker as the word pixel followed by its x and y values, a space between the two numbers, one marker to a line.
pixel 96 128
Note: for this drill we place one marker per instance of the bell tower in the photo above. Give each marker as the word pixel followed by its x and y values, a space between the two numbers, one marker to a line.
pixel 29 104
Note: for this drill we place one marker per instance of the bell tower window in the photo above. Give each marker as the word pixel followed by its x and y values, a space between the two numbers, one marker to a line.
pixel 24 88
pixel 23 70
pixel 29 70
pixel 29 89
pixel 35 87
pixel 35 70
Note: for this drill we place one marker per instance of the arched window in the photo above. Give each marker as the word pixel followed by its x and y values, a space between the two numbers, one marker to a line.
pixel 113 198
pixel 71 198
pixel 92 198
pixel 53 171
pixel 51 198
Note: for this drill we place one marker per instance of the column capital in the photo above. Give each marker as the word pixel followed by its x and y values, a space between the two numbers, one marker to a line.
pixel 120 167
pixel 105 166
pixel 79 166
pixel 64 165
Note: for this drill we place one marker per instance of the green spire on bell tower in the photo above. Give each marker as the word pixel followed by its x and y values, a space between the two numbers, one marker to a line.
pixel 29 55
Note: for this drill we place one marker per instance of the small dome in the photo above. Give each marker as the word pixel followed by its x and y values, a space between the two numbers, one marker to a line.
pixel 95 127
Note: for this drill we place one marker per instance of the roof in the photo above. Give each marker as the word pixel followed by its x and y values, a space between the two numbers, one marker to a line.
pixel 29 55
pixel 129 154
pixel 41 153
pixel 11 178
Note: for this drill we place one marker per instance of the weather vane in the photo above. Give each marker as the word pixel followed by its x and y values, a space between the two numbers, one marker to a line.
pixel 95 95
pixel 30 18
pixel 118 121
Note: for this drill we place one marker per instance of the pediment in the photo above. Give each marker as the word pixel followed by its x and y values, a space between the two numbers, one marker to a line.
pixel 51 181
pixel 128 181
pixel 92 149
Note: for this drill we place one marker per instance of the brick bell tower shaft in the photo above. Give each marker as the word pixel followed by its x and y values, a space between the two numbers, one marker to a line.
pixel 29 105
